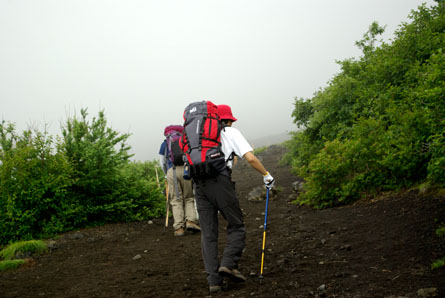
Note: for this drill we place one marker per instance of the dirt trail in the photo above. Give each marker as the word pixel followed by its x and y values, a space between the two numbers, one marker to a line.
pixel 371 249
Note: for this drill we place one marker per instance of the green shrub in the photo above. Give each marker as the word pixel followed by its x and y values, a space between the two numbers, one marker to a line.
pixel 379 124
pixel 35 183
pixel 49 186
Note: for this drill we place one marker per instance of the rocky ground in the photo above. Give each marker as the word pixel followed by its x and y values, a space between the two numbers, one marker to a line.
pixel 379 248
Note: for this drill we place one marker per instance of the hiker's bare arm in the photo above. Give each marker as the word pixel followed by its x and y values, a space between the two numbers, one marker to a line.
pixel 255 163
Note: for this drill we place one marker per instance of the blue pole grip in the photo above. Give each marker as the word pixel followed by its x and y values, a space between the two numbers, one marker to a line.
pixel 267 207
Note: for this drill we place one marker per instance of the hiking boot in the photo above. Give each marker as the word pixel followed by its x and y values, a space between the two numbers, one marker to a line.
pixel 179 232
pixel 192 227
pixel 214 289
pixel 233 274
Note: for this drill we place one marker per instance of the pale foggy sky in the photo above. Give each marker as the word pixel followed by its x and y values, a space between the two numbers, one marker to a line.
pixel 144 61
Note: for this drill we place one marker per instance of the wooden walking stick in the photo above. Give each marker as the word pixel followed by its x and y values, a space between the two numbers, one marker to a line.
pixel 157 177
pixel 167 205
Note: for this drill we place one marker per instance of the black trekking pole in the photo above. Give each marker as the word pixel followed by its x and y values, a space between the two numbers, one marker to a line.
pixel 264 236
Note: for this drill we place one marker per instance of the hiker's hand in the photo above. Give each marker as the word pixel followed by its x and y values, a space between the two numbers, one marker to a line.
pixel 268 180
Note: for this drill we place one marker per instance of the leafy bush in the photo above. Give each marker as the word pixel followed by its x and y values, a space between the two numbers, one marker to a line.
pixel 49 186
pixel 34 185
pixel 97 154
pixel 379 124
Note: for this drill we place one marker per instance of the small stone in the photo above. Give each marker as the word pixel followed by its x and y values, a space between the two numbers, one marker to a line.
pixel 186 287
pixel 252 273
pixel 77 236
pixel 323 241
pixel 51 245
pixel 427 292
pixel 346 247
pixel 150 222
pixel 322 287
pixel 137 257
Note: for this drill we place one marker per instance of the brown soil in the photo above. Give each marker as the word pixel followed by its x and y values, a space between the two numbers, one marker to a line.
pixel 381 248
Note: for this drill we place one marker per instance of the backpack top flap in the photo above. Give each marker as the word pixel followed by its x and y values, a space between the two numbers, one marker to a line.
pixel 202 131
pixel 168 130
pixel 173 134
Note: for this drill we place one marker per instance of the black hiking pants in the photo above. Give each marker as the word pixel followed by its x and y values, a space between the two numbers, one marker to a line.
pixel 213 195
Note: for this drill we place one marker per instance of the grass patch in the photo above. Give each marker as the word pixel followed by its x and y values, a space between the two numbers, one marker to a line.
pixel 10 264
pixel 23 248
pixel 438 264
pixel 259 150
pixel 440 231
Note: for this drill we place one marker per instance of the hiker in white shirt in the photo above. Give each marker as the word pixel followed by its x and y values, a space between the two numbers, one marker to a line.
pixel 218 194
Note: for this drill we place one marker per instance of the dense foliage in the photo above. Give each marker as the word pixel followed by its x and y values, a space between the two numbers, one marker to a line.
pixel 379 124
pixel 85 178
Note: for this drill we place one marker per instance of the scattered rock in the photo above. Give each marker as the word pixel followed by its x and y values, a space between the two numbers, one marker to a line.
pixel 186 287
pixel 51 245
pixel 323 241
pixel 91 239
pixel 427 292
pixel 257 194
pixel 346 247
pixel 150 222
pixel 341 274
pixel 291 197
pixel 297 186
pixel 282 262
pixel 77 236
pixel 322 288
pixel 137 257
pixel 23 255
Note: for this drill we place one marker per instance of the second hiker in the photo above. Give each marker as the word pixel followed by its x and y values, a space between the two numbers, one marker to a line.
pixel 180 190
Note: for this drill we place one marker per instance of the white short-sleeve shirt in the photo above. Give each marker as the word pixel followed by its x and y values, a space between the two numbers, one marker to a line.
pixel 232 141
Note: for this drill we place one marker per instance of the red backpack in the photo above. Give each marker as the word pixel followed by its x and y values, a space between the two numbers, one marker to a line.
pixel 201 140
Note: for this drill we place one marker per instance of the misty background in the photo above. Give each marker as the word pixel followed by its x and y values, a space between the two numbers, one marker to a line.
pixel 144 61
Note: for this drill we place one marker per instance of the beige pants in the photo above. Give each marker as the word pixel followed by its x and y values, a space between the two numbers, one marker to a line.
pixel 183 207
